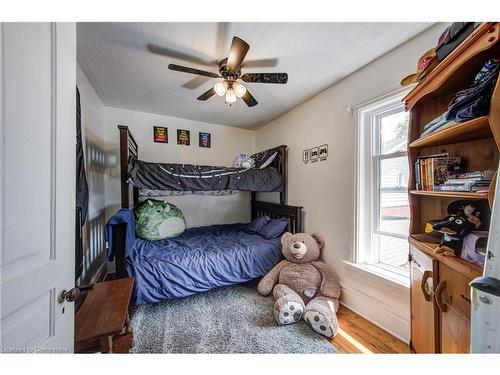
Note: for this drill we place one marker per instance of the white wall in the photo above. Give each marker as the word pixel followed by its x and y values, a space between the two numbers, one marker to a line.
pixel 326 188
pixel 226 143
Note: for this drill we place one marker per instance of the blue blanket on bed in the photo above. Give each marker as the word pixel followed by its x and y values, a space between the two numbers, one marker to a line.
pixel 198 260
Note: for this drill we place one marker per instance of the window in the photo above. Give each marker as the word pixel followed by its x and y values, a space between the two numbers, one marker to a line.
pixel 383 215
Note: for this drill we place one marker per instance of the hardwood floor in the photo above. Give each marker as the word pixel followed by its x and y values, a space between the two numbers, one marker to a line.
pixel 358 335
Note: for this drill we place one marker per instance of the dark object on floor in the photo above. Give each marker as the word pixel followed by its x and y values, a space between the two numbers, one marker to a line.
pixel 102 323
pixel 452 36
pixel 231 319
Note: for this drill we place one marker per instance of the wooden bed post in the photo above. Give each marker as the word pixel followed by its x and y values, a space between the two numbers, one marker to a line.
pixel 282 170
pixel 128 147
pixel 123 165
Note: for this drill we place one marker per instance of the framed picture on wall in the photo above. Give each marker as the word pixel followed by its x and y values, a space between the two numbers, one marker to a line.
pixel 306 155
pixel 160 134
pixel 183 137
pixel 205 140
pixel 314 154
pixel 323 152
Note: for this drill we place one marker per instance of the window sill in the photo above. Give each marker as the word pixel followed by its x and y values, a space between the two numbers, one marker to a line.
pixel 381 272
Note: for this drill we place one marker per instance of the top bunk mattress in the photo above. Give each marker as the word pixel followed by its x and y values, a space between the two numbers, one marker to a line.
pixel 188 177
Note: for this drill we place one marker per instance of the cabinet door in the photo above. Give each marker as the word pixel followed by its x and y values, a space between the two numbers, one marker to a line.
pixel 452 297
pixel 423 311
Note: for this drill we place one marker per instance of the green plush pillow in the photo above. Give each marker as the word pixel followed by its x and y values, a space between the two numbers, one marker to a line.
pixel 156 220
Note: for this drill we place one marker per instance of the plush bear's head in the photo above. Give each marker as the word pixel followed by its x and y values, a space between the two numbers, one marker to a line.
pixel 301 247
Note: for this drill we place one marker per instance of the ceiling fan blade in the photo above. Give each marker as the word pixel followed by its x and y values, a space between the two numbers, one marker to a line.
pixel 237 53
pixel 159 50
pixel 195 82
pixel 265 77
pixel 262 63
pixel 249 99
pixel 199 72
pixel 207 95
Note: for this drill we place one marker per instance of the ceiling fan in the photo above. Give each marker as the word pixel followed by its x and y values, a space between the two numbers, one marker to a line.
pixel 230 72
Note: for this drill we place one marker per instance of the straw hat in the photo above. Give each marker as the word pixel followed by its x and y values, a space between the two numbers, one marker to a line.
pixel 426 63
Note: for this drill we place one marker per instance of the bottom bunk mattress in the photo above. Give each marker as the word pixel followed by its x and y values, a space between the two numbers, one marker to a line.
pixel 199 259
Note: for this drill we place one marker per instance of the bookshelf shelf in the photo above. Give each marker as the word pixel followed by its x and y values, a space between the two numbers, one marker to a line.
pixel 466 268
pixel 450 194
pixel 478 128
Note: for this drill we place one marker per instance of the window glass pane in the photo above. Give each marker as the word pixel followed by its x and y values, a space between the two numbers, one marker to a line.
pixel 393 251
pixel 394 215
pixel 393 132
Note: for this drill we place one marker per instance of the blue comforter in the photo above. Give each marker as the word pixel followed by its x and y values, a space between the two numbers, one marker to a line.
pixel 198 260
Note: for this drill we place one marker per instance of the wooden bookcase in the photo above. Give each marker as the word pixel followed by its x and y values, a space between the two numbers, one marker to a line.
pixel 440 295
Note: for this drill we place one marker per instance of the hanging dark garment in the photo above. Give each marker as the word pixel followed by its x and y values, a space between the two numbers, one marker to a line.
pixel 82 191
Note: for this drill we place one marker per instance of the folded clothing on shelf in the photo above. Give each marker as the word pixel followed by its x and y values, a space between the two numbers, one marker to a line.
pixel 469 103
pixel 438 123
pixel 475 101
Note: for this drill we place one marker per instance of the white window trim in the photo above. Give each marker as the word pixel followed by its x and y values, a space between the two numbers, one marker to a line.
pixel 364 195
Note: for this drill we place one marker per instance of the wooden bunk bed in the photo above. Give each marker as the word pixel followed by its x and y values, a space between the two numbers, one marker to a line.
pixel 130 197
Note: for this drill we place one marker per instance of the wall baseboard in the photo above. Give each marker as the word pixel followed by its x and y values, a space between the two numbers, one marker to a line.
pixel 378 313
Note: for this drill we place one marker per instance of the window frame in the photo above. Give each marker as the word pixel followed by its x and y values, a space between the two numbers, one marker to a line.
pixel 369 158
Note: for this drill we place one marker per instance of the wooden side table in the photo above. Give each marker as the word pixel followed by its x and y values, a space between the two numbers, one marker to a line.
pixel 102 323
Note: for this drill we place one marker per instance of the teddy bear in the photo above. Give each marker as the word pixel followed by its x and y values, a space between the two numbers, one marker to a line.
pixel 303 286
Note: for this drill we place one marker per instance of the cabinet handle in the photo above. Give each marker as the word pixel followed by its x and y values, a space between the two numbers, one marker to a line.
pixel 465 298
pixel 437 296
pixel 426 276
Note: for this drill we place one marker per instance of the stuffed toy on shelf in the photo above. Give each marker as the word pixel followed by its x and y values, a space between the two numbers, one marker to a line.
pixel 303 286
pixel 463 217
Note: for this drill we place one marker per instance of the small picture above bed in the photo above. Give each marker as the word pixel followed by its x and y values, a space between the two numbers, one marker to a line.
pixel 156 220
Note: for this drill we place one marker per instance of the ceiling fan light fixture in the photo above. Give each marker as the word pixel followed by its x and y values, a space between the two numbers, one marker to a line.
pixel 220 88
pixel 239 89
pixel 230 95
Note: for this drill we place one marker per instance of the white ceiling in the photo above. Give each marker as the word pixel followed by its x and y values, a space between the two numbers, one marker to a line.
pixel 117 59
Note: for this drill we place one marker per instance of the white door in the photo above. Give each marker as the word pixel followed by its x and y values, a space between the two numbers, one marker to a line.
pixel 37 189
pixel 485 291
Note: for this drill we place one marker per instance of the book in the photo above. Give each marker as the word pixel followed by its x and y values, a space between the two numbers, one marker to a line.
pixel 435 170
pixel 487 174
pixel 465 187
pixel 417 176
pixel 441 155
pixel 440 169
pixel 459 181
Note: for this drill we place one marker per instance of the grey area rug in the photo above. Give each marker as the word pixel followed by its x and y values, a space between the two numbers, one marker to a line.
pixel 234 319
